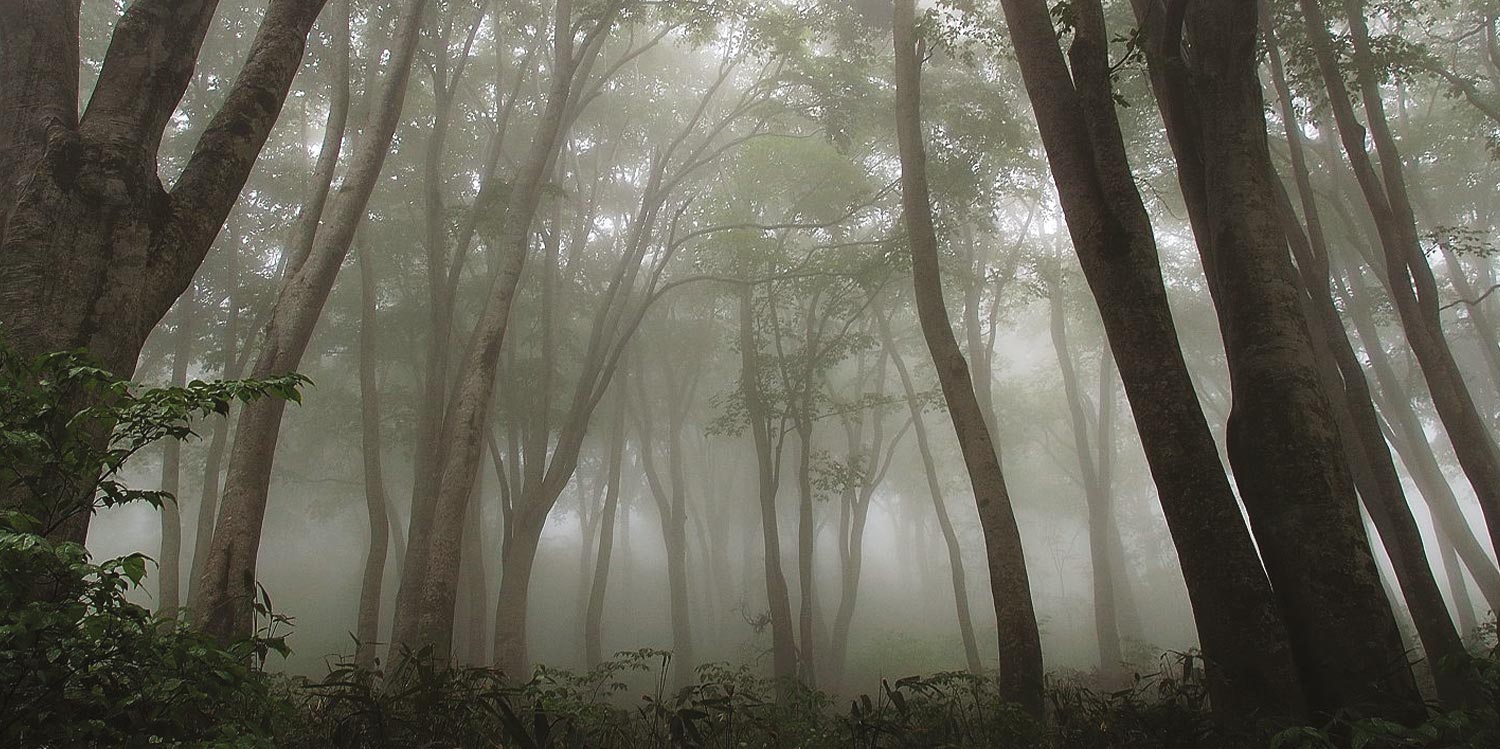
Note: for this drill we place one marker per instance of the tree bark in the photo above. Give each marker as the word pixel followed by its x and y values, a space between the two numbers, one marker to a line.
pixel 1282 436
pixel 1021 676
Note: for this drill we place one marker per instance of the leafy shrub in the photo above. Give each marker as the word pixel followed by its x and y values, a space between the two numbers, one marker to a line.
pixel 80 665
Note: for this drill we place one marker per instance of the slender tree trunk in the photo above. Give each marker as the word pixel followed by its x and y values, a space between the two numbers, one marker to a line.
pixel 227 589
pixel 671 510
pixel 430 621
pixel 783 642
pixel 940 508
pixel 1410 441
pixel 1408 276
pixel 806 538
pixel 594 618
pixel 169 584
pixel 208 505
pixel 367 625
pixel 1096 494
pixel 1021 676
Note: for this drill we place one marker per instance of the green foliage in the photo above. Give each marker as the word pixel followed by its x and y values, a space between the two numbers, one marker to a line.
pixel 624 703
pixel 80 665
pixel 67 429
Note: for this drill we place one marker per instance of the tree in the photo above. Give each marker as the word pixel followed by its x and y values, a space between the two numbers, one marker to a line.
pixel 226 591
pixel 1020 642
pixel 83 202
pixel 1244 638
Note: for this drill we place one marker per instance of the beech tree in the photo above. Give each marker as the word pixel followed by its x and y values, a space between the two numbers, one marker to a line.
pixel 83 201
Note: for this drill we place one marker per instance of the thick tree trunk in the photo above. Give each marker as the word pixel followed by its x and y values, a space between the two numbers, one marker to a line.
pixel 1244 640
pixel 1343 377
pixel 1021 675
pixel 1282 436
pixel 224 609
pixel 86 216
pixel 372 582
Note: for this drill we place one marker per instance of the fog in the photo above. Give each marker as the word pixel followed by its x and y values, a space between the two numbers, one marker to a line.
pixel 677 289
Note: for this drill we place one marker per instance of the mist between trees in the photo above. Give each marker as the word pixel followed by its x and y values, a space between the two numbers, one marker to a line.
pixel 842 341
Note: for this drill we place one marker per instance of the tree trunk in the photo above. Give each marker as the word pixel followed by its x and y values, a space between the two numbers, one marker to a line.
pixel 1021 676
pixel 1096 495
pixel 228 586
pixel 1408 276
pixel 208 505
pixel 593 620
pixel 783 642
pixel 372 583
pixel 1282 436
pixel 672 512
pixel 940 508
pixel 169 584
pixel 1369 458
pixel 1244 639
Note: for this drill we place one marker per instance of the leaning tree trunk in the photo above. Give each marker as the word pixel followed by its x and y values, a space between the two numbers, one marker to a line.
pixel 1369 457
pixel 1408 276
pixel 86 216
pixel 1244 640
pixel 1282 436
pixel 1021 676
pixel 224 608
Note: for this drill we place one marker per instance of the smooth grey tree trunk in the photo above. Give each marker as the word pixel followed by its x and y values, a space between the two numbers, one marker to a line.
pixel 1021 674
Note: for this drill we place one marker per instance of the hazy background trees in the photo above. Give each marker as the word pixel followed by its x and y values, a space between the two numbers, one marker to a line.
pixel 609 313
